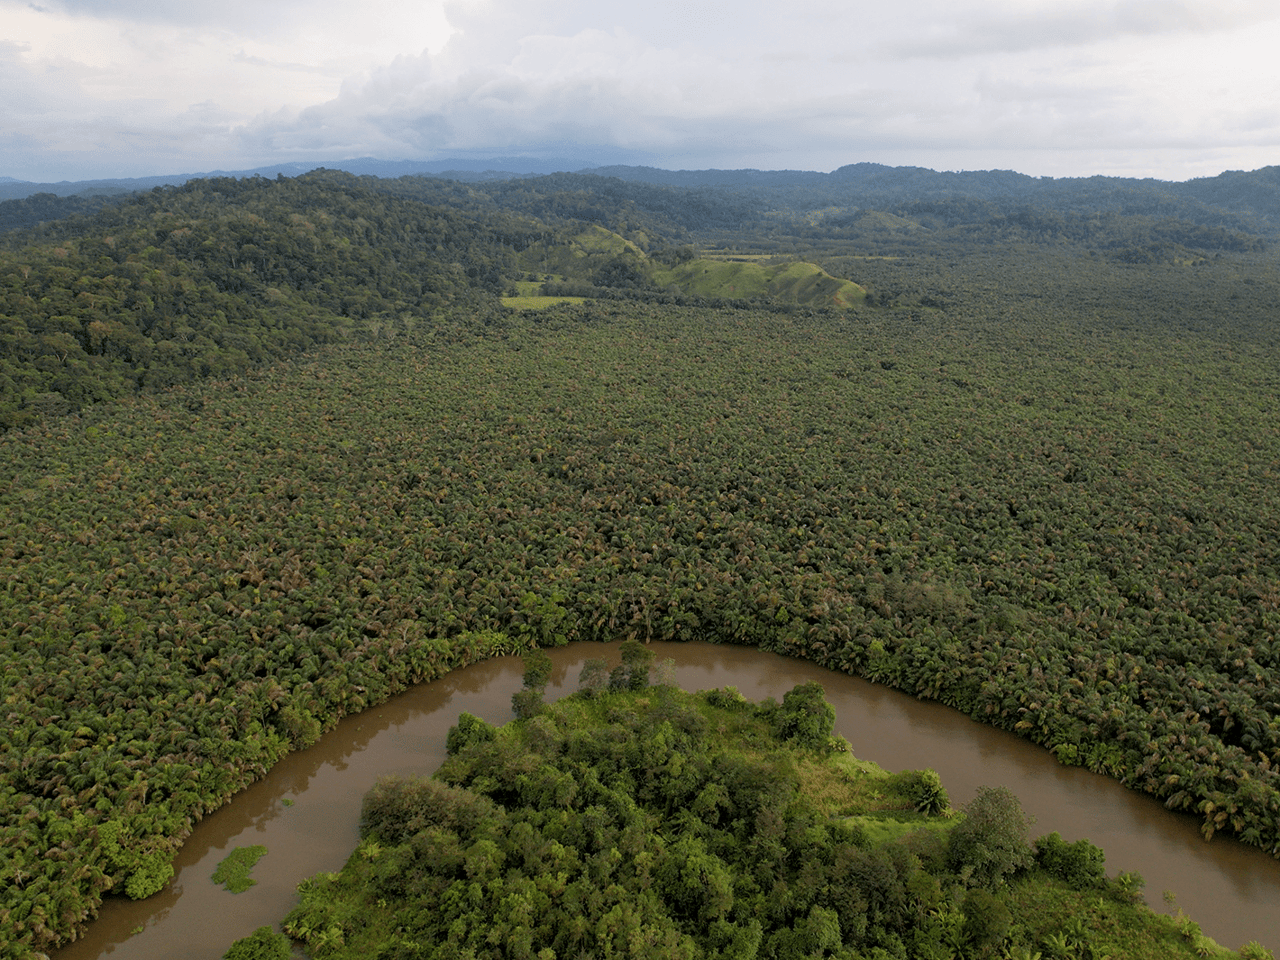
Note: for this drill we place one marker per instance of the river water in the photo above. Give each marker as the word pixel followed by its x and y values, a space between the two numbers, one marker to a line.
pixel 306 811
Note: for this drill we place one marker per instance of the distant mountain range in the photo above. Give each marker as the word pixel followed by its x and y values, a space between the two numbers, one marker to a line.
pixel 460 169
pixel 918 180
pixel 1235 200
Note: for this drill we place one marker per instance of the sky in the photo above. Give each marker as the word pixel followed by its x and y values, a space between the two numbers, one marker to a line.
pixel 1171 89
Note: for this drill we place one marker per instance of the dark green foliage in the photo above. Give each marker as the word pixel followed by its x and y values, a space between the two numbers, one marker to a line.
pixel 805 717
pixel 637 661
pixel 1080 864
pixel 398 807
pixel 986 922
pixel 990 844
pixel 263 944
pixel 467 731
pixel 537 670
pixel 526 703
pixel 994 489
pixel 218 276
pixel 594 677
pixel 924 790
pixel 615 826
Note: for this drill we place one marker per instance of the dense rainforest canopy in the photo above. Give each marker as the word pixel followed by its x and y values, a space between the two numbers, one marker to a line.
pixel 275 450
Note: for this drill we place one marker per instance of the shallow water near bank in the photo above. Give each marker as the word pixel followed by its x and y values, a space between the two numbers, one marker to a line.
pixel 306 811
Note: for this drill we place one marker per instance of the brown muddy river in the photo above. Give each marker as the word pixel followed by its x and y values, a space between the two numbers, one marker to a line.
pixel 306 812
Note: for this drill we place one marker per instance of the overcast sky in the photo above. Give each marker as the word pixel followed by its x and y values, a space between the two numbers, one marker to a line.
pixel 1166 88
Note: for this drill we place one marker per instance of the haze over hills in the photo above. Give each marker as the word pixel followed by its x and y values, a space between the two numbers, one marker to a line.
pixel 1236 200
pixel 457 168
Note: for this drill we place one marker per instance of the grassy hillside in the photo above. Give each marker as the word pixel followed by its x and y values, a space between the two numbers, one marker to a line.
pixel 800 283
pixel 598 261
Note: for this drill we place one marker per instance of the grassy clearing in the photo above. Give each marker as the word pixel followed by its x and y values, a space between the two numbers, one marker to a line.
pixel 1060 917
pixel 734 255
pixel 793 282
pixel 538 302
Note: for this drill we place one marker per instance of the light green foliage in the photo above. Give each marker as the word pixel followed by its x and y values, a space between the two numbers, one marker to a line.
pixel 233 871
pixel 793 282
pixel 608 822
pixel 263 944
pixel 663 824
pixel 140 869
pixel 149 875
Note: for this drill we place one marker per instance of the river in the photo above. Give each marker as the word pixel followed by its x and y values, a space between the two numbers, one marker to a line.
pixel 306 811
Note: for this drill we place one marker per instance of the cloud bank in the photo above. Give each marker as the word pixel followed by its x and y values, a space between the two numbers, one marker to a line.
pixel 1169 88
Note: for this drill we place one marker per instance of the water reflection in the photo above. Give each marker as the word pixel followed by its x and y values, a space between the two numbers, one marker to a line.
pixel 1231 890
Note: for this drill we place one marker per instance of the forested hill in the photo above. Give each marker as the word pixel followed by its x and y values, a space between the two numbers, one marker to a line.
pixel 101 300
pixel 215 276
pixel 1245 200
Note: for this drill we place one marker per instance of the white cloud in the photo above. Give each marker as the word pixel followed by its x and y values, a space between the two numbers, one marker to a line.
pixel 1062 86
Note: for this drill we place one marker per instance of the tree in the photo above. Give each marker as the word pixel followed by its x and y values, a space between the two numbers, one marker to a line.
pixel 990 844
pixel 637 660
pixel 467 731
pixel 593 678
pixel 528 703
pixel 806 717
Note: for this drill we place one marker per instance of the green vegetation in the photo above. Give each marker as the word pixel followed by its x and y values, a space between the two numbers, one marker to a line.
pixel 654 823
pixel 218 276
pixel 597 262
pixel 1032 475
pixel 233 871
pixel 794 282
pixel 263 944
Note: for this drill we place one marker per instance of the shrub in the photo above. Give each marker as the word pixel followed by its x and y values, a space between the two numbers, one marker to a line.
pixel 263 944
pixel 1080 864
pixel 986 922
pixel 924 791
